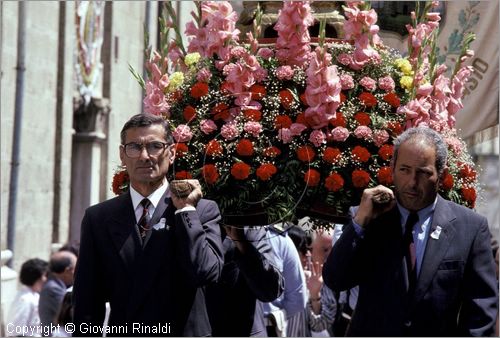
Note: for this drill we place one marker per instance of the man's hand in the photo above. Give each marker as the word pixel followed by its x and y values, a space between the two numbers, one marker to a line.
pixel 192 199
pixel 374 202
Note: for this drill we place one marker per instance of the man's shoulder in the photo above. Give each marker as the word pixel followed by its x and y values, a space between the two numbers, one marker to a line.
pixel 206 203
pixel 109 204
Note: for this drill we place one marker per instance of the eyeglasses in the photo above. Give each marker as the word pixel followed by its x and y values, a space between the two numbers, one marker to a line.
pixel 133 150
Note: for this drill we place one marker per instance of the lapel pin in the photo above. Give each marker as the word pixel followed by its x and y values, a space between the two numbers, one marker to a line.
pixel 436 233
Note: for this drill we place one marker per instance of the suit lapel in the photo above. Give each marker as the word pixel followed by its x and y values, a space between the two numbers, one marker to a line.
pixel 122 230
pixel 159 211
pixel 436 247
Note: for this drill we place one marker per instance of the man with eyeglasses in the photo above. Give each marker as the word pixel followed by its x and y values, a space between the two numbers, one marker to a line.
pixel 147 252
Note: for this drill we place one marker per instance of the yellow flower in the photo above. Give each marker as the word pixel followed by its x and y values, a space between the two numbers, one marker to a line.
pixel 191 59
pixel 176 80
pixel 406 82
pixel 405 66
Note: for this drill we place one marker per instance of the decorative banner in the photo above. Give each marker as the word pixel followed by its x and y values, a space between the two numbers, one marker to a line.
pixel 89 17
pixel 459 18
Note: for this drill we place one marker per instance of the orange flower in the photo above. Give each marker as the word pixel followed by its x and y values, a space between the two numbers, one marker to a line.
pixel 286 98
pixel 334 182
pixel 384 176
pixel 210 174
pixel 360 178
pixel 312 177
pixel 240 171
pixel 213 148
pixel 392 99
pixel 385 151
pixel 282 121
pixel 272 152
pixel 265 171
pixel 189 113
pixel 181 149
pixel 245 147
pixel 368 99
pixel 362 118
pixel 331 155
pixel 183 175
pixel 199 89
pixel 252 114
pixel 258 92
pixel 361 153
pixel 306 153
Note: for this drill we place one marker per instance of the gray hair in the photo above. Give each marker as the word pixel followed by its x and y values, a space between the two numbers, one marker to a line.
pixel 146 120
pixel 431 138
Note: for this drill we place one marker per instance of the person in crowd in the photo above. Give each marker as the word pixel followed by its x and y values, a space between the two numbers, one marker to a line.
pixel 149 252
pixel 61 270
pixel 294 297
pixel 248 275
pixel 64 316
pixel 72 246
pixel 423 264
pixel 23 312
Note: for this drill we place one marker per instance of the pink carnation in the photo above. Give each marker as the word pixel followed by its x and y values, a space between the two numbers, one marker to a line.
pixel 340 134
pixel 285 135
pixel 297 128
pixel 380 137
pixel 344 59
pixel 204 75
pixel 317 138
pixel 253 128
pixel 229 131
pixel 182 133
pixel 363 132
pixel 386 83
pixel 265 53
pixel 284 73
pixel 207 126
pixel 369 83
pixel 346 81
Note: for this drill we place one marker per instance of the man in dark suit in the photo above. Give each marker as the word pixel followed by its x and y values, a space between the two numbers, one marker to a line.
pixel 437 278
pixel 150 259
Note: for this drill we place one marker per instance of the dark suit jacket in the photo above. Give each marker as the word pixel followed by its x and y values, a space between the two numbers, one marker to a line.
pixel 456 290
pixel 160 283
pixel 232 303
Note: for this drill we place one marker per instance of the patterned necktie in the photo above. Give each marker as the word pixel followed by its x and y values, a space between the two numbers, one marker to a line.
pixel 410 254
pixel 143 221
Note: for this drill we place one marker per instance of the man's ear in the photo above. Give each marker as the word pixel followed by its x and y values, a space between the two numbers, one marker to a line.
pixel 122 154
pixel 171 149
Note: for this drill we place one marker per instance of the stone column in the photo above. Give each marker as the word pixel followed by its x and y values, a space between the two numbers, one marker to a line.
pixel 89 124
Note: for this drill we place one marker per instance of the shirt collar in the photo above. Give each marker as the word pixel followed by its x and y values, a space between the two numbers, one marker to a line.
pixel 154 198
pixel 423 214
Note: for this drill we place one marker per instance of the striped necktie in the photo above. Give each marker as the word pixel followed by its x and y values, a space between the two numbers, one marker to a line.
pixel 143 221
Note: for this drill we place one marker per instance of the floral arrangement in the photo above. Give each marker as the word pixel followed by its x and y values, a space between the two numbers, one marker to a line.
pixel 296 126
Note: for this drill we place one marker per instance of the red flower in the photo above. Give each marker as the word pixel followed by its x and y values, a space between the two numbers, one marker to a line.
pixel 286 98
pixel 447 182
pixel 342 97
pixel 301 118
pixel 468 173
pixel 338 120
pixel 384 175
pixel 312 177
pixel 258 92
pixel 119 180
pixel 175 96
pixel 272 152
pixel 240 171
pixel 225 87
pixel 303 99
pixel 331 155
pixel 189 113
pixel 368 99
pixel 210 173
pixel 181 149
pixel 361 153
pixel 245 147
pixel 220 111
pixel 306 153
pixel 265 171
pixel 334 182
pixel 213 148
pixel 183 175
pixel 395 127
pixel 199 89
pixel 392 99
pixel 385 151
pixel 282 121
pixel 360 178
pixel 469 194
pixel 362 118
pixel 252 114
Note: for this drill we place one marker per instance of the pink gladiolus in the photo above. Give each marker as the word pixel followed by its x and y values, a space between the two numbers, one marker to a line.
pixel 204 75
pixel 208 126
pixel 155 101
pixel 182 133
pixel 297 128
pixel 416 111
